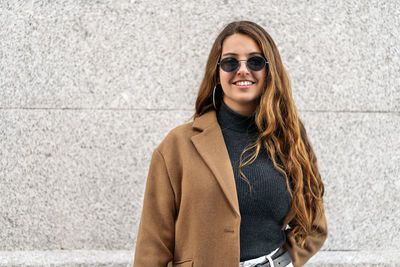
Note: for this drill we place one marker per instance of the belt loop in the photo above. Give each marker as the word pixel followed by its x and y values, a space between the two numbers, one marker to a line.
pixel 271 262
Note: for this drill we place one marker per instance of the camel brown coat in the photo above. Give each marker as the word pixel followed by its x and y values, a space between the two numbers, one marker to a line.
pixel 190 214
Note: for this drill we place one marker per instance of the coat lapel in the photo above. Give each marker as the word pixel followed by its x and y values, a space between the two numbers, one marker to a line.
pixel 211 146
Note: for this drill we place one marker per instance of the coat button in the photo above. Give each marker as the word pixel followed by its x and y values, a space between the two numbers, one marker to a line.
pixel 229 230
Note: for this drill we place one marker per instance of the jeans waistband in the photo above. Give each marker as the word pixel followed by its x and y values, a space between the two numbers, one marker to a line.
pixel 279 257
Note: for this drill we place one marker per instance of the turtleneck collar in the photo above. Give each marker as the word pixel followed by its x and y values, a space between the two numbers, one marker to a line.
pixel 227 118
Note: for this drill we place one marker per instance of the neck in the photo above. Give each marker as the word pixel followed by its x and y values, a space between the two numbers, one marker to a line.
pixel 230 119
pixel 242 109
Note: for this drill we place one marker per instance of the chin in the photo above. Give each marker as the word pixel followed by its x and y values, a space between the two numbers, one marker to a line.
pixel 245 100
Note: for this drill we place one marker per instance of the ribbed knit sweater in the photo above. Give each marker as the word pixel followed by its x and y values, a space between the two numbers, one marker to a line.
pixel 262 210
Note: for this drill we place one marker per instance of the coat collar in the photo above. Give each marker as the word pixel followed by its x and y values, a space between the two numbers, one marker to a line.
pixel 211 146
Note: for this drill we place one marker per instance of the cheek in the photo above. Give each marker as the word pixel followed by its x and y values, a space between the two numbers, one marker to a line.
pixel 224 77
pixel 261 76
pixel 261 82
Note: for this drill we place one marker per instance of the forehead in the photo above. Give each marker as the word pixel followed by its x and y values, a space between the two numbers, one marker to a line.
pixel 240 44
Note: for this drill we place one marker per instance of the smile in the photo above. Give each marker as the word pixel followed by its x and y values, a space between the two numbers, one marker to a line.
pixel 243 83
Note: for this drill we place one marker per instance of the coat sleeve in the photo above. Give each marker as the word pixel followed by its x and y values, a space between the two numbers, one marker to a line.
pixel 155 240
pixel 313 242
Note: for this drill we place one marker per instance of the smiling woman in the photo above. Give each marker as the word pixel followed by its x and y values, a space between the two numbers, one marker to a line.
pixel 206 203
pixel 242 87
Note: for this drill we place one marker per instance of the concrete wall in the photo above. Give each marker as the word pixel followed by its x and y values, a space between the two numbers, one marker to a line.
pixel 89 88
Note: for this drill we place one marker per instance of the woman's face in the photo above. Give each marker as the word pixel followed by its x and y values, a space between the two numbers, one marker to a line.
pixel 241 97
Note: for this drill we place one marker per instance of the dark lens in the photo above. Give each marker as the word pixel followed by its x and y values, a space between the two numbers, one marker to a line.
pixel 256 63
pixel 229 64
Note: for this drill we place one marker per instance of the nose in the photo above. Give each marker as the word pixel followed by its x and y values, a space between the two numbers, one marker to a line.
pixel 242 67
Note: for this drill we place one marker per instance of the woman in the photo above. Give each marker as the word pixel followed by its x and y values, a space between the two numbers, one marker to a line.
pixel 238 186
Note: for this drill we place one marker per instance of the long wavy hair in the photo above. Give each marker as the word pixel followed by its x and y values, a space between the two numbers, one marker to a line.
pixel 281 131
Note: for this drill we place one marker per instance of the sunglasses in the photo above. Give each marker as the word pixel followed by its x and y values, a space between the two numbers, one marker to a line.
pixel 231 64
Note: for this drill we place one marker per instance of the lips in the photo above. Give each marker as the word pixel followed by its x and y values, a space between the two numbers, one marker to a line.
pixel 243 83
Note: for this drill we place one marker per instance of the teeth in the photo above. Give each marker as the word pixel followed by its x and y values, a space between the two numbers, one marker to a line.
pixel 244 83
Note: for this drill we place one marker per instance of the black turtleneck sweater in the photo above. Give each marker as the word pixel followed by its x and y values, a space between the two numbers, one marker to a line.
pixel 262 210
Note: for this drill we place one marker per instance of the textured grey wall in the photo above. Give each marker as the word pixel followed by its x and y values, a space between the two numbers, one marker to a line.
pixel 89 88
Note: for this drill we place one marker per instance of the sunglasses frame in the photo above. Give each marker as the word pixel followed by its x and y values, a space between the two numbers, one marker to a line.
pixel 247 66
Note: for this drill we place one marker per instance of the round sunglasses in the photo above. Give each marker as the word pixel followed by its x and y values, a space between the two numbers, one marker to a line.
pixel 231 64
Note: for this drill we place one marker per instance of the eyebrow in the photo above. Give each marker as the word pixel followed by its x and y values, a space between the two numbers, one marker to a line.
pixel 234 54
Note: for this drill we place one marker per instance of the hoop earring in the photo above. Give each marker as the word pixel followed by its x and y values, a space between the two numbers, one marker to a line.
pixel 214 97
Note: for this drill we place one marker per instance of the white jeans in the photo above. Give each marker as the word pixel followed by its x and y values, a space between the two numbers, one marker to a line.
pixel 252 262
